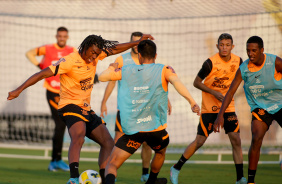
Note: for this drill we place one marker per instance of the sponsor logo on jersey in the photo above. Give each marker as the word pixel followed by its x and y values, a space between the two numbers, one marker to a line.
pixel 219 82
pixel 58 62
pixel 86 84
pixel 147 119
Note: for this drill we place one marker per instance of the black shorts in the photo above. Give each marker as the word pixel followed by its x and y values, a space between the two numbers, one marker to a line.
pixel 118 124
pixel 71 114
pixel 263 116
pixel 207 120
pixel 156 140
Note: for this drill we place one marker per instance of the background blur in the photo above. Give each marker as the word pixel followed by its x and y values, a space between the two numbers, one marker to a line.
pixel 185 32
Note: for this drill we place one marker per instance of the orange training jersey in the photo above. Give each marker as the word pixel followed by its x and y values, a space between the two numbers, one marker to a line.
pixel 219 79
pixel 77 79
pixel 52 53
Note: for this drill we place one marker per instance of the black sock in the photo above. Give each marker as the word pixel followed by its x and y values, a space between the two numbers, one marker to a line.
pixel 102 174
pixel 152 178
pixel 180 163
pixel 251 176
pixel 74 170
pixel 110 179
pixel 239 171
pixel 145 170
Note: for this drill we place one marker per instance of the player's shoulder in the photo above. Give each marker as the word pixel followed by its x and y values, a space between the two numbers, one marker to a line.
pixel 73 57
pixel 169 68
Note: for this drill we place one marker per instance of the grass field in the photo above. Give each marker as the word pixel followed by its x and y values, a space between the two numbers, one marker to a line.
pixel 28 171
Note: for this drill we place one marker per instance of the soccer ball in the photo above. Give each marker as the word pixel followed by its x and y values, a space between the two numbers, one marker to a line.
pixel 90 177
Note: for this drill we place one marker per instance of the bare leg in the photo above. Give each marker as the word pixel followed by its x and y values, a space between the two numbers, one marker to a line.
pixel 258 131
pixel 102 136
pixel 194 146
pixel 77 133
pixel 236 147
pixel 146 155
pixel 117 158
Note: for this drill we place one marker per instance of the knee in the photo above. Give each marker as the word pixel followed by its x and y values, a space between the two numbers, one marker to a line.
pixel 78 140
pixel 199 143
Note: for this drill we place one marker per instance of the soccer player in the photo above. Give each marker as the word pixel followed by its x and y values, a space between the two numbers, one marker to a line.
pixel 52 53
pixel 262 75
pixel 217 72
pixel 77 71
pixel 125 59
pixel 143 108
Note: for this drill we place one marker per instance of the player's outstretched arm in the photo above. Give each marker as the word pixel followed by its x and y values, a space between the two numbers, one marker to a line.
pixel 29 82
pixel 124 46
pixel 108 91
pixel 169 107
pixel 183 91
pixel 31 56
pixel 111 74
pixel 219 122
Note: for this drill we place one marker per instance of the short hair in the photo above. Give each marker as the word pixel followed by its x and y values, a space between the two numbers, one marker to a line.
pixel 62 29
pixel 256 39
pixel 135 34
pixel 101 43
pixel 147 49
pixel 225 36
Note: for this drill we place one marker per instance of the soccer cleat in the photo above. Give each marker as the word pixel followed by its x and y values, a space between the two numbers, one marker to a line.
pixel 73 181
pixel 144 177
pixel 243 180
pixel 174 175
pixel 62 165
pixel 161 181
pixel 52 166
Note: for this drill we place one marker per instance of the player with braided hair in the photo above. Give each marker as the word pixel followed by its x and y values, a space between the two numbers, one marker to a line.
pixel 77 71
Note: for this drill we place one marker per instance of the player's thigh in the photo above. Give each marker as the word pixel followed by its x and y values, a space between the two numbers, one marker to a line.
pixel 205 127
pixel 118 157
pixel 278 117
pixel 157 140
pixel 71 114
pixel 261 119
pixel 101 135
pixel 94 130
pixel 231 123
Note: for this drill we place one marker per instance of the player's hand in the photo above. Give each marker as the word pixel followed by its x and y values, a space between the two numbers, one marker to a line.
pixel 219 123
pixel 196 109
pixel 115 65
pixel 103 110
pixel 218 96
pixel 169 108
pixel 13 94
pixel 146 37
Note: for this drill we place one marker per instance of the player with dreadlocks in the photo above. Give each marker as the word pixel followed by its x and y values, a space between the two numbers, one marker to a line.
pixel 77 71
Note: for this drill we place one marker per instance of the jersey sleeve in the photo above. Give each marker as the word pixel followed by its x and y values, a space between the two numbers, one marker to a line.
pixel 206 69
pixel 101 56
pixel 41 50
pixel 119 60
pixel 168 71
pixel 116 74
pixel 62 66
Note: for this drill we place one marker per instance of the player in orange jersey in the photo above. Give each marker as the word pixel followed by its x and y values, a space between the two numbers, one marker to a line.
pixel 126 59
pixel 52 53
pixel 77 71
pixel 218 72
